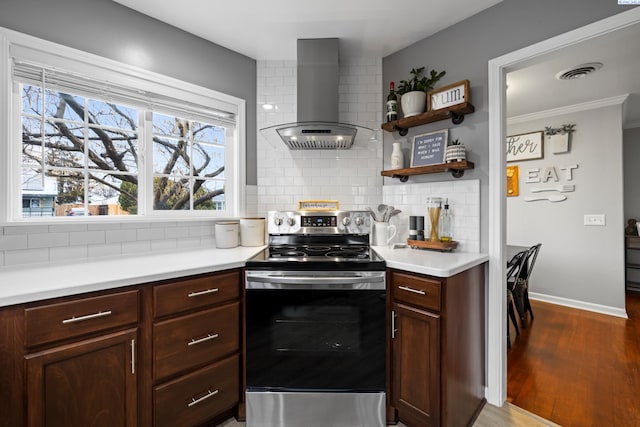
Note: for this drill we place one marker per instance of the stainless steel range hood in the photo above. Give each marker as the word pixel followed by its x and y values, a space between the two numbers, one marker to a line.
pixel 317 87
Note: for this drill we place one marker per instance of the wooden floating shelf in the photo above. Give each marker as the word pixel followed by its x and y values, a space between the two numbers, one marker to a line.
pixel 438 246
pixel 456 168
pixel 455 113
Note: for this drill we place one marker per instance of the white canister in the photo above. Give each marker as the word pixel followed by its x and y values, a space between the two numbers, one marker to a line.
pixel 252 231
pixel 226 234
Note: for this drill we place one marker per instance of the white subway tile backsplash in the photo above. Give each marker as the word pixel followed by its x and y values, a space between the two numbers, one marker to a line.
pixel 138 247
pixel 26 256
pixel 65 228
pixel 25 229
pixel 119 236
pixel 87 237
pixel 464 199
pixel 176 232
pixel 134 225
pixel 13 242
pixel 163 245
pixel 104 226
pixel 150 234
pixel 47 240
pixel 111 249
pixel 188 242
pixel 69 253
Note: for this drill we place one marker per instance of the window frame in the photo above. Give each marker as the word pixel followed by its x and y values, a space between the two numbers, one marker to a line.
pixel 55 55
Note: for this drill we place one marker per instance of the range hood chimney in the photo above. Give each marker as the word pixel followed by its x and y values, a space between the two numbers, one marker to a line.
pixel 318 80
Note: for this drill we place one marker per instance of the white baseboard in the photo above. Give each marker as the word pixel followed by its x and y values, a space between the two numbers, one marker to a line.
pixel 598 308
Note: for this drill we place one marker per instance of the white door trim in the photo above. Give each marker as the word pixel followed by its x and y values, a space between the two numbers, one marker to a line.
pixel 498 68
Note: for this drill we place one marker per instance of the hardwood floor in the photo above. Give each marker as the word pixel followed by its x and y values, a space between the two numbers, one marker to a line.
pixel 577 368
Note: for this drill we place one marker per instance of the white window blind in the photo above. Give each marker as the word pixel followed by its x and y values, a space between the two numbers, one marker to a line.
pixel 25 71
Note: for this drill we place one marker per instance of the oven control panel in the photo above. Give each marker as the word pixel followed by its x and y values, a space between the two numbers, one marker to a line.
pixel 319 221
pixel 328 222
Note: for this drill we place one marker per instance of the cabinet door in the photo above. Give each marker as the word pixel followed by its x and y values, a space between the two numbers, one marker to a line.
pixel 88 383
pixel 416 366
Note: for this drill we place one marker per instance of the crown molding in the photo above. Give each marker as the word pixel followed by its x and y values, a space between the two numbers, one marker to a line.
pixel 568 109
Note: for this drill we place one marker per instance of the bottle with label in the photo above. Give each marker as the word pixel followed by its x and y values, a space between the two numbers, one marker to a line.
pixel 392 104
pixel 446 223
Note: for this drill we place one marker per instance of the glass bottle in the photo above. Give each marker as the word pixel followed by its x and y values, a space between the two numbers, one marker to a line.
pixel 392 104
pixel 446 223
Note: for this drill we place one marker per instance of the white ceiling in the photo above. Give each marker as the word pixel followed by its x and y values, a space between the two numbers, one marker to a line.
pixel 268 30
pixel 534 88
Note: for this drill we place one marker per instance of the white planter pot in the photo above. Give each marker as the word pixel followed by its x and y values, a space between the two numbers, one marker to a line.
pixel 455 153
pixel 559 143
pixel 413 103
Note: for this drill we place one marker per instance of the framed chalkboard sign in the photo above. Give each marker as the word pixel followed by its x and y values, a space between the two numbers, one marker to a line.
pixel 428 148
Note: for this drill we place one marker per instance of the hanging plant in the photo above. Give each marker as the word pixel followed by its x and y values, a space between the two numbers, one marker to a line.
pixel 565 129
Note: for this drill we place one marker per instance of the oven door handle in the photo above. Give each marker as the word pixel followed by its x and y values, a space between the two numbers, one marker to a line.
pixel 316 282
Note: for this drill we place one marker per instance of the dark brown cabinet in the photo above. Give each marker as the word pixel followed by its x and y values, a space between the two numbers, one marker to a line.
pixel 416 370
pixel 155 354
pixel 196 349
pixel 80 361
pixel 88 383
pixel 437 348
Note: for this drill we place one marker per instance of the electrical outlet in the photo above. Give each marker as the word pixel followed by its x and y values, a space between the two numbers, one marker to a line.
pixel 594 219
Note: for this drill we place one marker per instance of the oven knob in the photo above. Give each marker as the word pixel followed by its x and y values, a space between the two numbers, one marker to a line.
pixel 277 220
pixel 346 221
pixel 359 221
pixel 291 221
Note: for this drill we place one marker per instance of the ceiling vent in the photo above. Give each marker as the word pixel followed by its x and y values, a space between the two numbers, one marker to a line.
pixel 579 71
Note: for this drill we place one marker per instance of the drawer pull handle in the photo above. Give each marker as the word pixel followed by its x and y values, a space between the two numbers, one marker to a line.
pixel 201 340
pixel 200 399
pixel 415 291
pixel 87 317
pixel 197 294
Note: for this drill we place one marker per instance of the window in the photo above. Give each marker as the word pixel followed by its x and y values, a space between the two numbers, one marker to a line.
pixel 188 164
pixel 108 140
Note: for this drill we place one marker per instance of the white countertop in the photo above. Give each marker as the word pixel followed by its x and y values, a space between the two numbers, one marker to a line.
pixel 433 263
pixel 29 283
pixel 37 282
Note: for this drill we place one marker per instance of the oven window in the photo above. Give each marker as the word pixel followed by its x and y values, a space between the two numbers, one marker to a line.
pixel 316 340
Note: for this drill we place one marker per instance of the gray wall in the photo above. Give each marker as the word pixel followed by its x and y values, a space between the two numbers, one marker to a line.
pixel 631 173
pixel 464 49
pixel 108 29
pixel 572 264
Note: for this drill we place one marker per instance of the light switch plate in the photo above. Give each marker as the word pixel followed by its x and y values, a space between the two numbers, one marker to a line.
pixel 594 219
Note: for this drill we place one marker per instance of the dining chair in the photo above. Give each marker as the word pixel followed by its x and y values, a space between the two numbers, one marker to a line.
pixel 521 287
pixel 514 268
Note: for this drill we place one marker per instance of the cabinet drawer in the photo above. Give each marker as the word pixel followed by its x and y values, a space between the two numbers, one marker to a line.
pixel 198 396
pixel 416 290
pixel 195 293
pixel 53 322
pixel 195 339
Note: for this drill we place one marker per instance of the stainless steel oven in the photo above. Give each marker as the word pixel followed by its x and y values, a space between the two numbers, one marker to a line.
pixel 315 320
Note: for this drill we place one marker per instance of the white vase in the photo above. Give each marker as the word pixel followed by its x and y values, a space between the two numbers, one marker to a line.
pixel 397 157
pixel 413 103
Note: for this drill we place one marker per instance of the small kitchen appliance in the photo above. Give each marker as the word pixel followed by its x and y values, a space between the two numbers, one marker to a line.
pixel 316 323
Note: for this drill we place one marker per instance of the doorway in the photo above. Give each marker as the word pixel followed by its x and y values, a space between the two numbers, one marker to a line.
pixel 498 67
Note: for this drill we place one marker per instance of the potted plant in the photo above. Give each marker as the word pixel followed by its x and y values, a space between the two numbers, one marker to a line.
pixel 455 152
pixel 413 92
